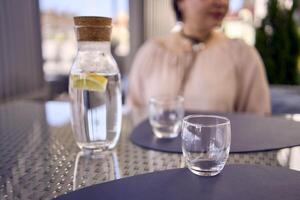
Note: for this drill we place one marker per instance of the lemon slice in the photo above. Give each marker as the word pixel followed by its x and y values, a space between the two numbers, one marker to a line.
pixel 89 81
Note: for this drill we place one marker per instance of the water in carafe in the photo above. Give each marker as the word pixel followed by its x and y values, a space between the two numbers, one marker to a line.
pixel 95 88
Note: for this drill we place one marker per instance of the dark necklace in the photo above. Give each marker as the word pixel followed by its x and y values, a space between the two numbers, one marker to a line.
pixel 196 43
pixel 193 40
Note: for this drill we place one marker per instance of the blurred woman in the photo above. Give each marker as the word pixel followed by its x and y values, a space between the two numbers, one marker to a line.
pixel 211 71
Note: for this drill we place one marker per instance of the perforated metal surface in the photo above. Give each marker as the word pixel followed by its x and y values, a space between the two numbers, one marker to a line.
pixel 40 160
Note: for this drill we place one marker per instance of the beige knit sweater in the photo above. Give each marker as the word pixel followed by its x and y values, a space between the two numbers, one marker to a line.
pixel 227 76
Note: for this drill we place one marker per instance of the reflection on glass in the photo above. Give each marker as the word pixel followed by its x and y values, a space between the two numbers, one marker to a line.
pixel 92 168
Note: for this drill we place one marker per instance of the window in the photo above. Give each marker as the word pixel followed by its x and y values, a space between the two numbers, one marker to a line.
pixel 59 42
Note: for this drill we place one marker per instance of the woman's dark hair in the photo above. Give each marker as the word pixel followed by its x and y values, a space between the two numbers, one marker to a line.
pixel 177 11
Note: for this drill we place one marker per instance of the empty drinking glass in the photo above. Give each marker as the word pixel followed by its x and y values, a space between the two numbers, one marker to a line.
pixel 206 143
pixel 165 115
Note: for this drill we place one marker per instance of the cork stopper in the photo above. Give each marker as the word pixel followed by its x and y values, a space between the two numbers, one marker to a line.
pixel 90 28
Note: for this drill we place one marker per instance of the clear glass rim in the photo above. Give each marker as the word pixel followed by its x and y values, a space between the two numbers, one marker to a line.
pixel 185 120
pixel 163 99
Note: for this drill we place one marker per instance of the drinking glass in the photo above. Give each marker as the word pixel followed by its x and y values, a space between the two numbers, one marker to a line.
pixel 206 143
pixel 165 115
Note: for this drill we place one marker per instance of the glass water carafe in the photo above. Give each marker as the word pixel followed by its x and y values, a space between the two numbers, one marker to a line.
pixel 94 86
